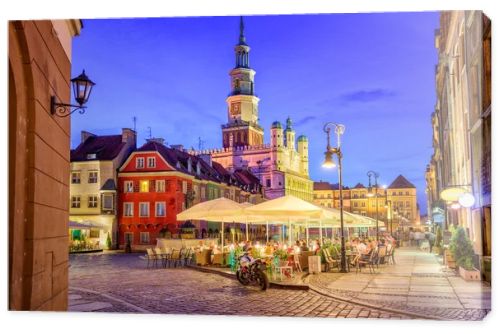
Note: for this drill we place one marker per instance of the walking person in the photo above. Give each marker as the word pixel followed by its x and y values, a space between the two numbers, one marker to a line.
pixel 432 239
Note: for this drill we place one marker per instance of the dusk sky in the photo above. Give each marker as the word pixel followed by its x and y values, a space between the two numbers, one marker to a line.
pixel 374 73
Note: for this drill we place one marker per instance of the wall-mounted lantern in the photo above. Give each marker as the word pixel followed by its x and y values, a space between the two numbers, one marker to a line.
pixel 82 87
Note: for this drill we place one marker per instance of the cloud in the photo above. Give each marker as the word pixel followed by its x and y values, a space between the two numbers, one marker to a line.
pixel 364 96
pixel 305 120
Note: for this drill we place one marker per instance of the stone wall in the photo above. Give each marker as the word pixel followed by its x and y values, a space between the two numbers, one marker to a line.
pixel 39 147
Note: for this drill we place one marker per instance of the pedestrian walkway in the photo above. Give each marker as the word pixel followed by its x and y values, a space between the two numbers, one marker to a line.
pixel 418 284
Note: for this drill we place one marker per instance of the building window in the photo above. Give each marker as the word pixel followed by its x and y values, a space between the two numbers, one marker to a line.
pixel 160 186
pixel 92 203
pixel 400 193
pixel 160 209
pixel 144 237
pixel 139 163
pixel 268 183
pixel 393 193
pixel 144 186
pixel 94 233
pixel 363 204
pixel 128 209
pixel 75 201
pixel 355 204
pixel 407 193
pixel 151 162
pixel 202 193
pixel 93 177
pixel 407 204
pixel 128 186
pixel 129 238
pixel 144 209
pixel 184 187
pixel 107 202
pixel 75 177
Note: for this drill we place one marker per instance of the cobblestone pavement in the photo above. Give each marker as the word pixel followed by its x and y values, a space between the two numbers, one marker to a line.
pixel 418 284
pixel 120 283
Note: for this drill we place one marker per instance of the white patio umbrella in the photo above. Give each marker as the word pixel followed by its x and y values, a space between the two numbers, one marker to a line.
pixel 219 209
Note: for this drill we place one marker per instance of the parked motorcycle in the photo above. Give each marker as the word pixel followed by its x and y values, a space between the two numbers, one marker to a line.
pixel 252 271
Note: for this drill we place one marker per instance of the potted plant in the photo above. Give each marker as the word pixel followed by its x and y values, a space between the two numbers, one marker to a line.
pixel 282 256
pixel 109 244
pixel 463 252
pixel 438 242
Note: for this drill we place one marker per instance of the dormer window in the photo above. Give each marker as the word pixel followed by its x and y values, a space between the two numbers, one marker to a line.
pixel 151 162
pixel 139 163
pixel 91 156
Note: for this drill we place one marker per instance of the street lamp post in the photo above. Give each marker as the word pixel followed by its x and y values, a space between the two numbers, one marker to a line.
pixel 375 176
pixel 329 163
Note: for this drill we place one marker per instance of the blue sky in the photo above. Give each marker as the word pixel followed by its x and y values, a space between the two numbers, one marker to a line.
pixel 372 72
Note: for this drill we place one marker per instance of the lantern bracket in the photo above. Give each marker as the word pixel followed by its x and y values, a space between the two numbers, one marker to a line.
pixel 63 109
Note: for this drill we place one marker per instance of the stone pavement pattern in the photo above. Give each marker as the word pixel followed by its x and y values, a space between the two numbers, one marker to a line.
pixel 418 283
pixel 120 283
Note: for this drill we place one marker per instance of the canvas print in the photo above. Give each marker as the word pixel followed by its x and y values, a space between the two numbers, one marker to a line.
pixel 329 165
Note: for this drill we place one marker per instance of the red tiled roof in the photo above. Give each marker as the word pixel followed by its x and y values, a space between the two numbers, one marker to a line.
pixel 401 182
pixel 104 148
pixel 322 186
pixel 217 173
pixel 359 186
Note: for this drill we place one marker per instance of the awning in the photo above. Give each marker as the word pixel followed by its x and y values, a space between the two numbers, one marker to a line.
pixel 86 225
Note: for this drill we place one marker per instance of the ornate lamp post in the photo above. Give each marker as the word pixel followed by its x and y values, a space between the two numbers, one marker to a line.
pixel 370 194
pixel 329 163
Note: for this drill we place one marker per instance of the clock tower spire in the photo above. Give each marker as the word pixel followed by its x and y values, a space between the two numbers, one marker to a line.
pixel 242 126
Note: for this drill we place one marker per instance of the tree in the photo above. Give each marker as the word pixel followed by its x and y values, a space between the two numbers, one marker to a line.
pixel 461 248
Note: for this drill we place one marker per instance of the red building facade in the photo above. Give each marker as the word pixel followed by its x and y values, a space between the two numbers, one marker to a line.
pixel 151 193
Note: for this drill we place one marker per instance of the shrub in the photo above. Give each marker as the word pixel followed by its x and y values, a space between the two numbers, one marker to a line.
pixel 439 237
pixel 109 244
pixel 461 248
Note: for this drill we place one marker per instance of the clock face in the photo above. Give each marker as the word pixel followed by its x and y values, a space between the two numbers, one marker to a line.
pixel 235 109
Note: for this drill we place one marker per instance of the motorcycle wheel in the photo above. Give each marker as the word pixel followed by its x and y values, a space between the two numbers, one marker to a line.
pixel 263 281
pixel 241 279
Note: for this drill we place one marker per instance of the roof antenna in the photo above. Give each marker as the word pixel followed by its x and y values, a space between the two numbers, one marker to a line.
pixel 200 144
pixel 150 135
pixel 134 119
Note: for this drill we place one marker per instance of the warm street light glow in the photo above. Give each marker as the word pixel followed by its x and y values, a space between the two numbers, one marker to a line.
pixel 329 163
pixel 455 206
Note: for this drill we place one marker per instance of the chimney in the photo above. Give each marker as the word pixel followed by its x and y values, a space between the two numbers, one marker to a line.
pixel 129 136
pixel 86 135
pixel 156 140
pixel 207 158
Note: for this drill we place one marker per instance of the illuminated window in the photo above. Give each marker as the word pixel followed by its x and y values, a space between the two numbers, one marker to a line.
pixel 144 186
pixel 139 162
